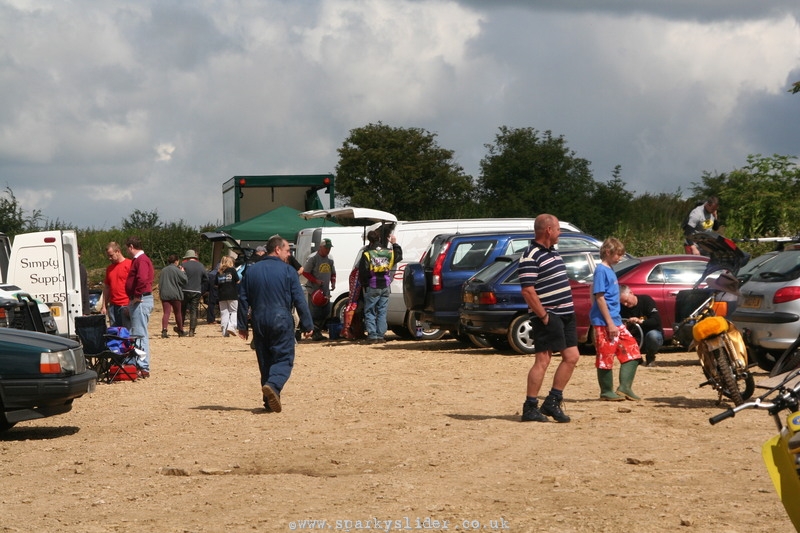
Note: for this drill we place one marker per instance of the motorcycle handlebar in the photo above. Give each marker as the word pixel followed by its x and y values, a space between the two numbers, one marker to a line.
pixel 758 403
pixel 716 419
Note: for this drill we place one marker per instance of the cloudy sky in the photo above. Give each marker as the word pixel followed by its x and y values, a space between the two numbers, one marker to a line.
pixel 117 105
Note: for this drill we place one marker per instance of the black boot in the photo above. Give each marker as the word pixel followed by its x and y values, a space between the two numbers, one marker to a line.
pixel 531 413
pixel 552 407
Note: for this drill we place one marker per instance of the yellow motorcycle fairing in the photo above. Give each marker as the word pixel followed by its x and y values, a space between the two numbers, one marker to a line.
pixel 782 468
pixel 708 327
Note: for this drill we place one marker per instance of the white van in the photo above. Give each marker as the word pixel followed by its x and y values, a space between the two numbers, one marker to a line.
pixel 414 237
pixel 44 264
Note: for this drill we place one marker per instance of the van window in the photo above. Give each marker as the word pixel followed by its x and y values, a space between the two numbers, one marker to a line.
pixel 472 255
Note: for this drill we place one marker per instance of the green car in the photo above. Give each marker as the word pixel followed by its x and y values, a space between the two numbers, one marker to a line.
pixel 40 375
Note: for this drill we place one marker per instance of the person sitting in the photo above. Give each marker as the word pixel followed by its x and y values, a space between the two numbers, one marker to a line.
pixel 642 310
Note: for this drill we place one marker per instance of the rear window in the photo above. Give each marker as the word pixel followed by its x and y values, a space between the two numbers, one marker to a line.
pixel 784 267
pixel 492 270
pixel 472 255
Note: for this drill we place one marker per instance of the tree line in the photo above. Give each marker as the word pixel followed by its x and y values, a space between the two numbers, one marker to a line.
pixel 526 172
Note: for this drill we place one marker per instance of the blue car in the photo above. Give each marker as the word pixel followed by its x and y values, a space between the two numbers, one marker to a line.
pixel 493 307
pixel 432 287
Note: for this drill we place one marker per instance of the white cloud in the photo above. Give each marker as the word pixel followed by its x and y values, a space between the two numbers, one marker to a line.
pixel 97 95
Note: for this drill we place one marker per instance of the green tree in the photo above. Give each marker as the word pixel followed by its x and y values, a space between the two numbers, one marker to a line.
pixel 141 220
pixel 611 203
pixel 402 171
pixel 12 217
pixel 527 173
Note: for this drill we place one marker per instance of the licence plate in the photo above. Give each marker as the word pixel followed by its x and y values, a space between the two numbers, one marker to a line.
pixel 752 302
pixel 469 297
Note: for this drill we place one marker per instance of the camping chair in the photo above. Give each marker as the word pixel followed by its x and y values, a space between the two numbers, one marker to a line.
pixel 91 330
pixel 110 365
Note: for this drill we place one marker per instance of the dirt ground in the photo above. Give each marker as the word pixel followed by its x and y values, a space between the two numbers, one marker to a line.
pixel 404 436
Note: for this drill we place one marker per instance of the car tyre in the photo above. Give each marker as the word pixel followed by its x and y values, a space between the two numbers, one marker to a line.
pixel 479 341
pixel 520 335
pixel 428 333
pixel 500 344
pixel 763 358
pixel 5 425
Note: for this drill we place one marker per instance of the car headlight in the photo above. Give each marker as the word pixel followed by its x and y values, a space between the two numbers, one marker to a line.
pixel 62 362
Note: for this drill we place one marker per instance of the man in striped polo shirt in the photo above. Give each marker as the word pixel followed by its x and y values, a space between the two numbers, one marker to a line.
pixel 545 287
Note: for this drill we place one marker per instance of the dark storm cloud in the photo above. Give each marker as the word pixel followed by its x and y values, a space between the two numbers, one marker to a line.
pixel 679 10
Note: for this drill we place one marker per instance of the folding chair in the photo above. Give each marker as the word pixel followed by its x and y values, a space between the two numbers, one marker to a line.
pixel 110 364
pixel 91 331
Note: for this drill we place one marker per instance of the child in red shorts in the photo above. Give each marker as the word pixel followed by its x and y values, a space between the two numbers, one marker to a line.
pixel 611 337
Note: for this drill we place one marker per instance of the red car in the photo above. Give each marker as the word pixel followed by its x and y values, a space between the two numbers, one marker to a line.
pixel 660 277
pixel 493 308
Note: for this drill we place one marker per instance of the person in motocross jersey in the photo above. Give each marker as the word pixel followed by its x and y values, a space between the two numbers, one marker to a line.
pixel 375 271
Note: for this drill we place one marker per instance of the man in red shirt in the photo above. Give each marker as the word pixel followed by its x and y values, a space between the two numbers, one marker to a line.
pixel 115 299
pixel 139 287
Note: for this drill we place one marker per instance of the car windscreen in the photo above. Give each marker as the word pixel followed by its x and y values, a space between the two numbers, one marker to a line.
pixel 785 266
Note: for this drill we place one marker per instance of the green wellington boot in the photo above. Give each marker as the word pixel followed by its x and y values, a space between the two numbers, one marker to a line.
pixel 606 380
pixel 627 371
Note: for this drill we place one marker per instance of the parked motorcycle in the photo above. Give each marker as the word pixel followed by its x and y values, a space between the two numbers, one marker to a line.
pixel 720 346
pixel 781 453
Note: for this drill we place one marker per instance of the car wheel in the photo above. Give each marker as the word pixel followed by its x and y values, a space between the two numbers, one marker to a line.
pixel 520 335
pixel 5 425
pixel 764 359
pixel 428 333
pixel 479 341
pixel 414 286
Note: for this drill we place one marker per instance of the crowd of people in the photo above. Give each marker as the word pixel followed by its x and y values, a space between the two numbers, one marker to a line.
pixel 267 296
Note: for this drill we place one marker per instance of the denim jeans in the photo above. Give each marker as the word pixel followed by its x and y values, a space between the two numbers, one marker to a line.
pixel 653 341
pixel 376 301
pixel 191 301
pixel 140 316
pixel 119 315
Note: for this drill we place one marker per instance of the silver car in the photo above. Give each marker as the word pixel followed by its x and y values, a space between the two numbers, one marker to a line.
pixel 768 311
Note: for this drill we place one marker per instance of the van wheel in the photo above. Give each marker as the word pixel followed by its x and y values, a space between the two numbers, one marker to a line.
pixel 339 307
pixel 520 335
pixel 428 333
